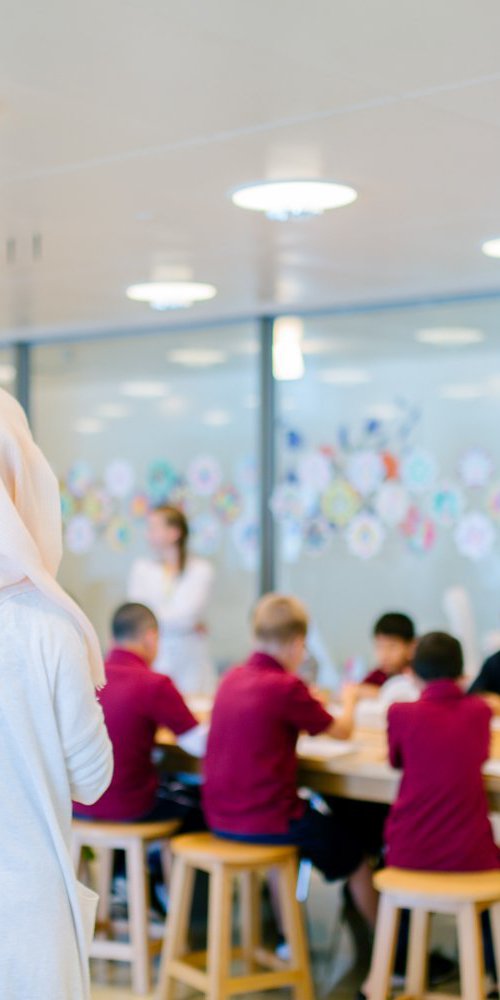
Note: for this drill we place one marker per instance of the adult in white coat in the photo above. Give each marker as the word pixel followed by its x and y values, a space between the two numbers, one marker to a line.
pixel 53 742
pixel 176 586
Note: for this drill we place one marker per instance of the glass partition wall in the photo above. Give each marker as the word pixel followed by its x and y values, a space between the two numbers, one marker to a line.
pixel 133 422
pixel 386 457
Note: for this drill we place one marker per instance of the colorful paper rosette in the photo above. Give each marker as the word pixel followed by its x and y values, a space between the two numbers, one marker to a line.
pixel 161 479
pixel 119 478
pixel 419 470
pixel 340 503
pixel 79 479
pixel 474 535
pixel 365 471
pixel 245 534
pixel 97 505
pixel 365 536
pixel 139 506
pixel 204 475
pixel 391 503
pixel 314 471
pixel 447 504
pixel 318 534
pixel 419 530
pixel 475 468
pixel 227 504
pixel 119 534
pixel 205 533
pixel 287 501
pixel 79 535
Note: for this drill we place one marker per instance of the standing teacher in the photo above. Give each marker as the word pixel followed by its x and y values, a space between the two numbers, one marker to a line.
pixel 53 742
pixel 177 587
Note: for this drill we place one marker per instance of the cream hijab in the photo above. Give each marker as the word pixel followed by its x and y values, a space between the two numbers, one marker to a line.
pixel 30 522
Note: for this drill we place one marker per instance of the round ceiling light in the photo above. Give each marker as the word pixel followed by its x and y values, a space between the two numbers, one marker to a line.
pixel 171 294
pixel 491 248
pixel 293 199
pixel 449 336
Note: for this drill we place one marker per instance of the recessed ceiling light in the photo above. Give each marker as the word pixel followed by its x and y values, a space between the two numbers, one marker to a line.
pixel 491 248
pixel 344 376
pixel 464 391
pixel 144 390
pixel 7 373
pixel 171 294
pixel 196 357
pixel 112 411
pixel 293 199
pixel 88 426
pixel 216 418
pixel 449 336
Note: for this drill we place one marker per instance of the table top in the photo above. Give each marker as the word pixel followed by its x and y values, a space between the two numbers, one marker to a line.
pixel 361 773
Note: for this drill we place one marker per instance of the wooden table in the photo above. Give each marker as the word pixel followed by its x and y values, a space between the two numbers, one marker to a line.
pixel 364 774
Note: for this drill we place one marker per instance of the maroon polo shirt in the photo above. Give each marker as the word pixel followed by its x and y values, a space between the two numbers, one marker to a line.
pixel 251 767
pixel 135 702
pixel 439 821
pixel 376 677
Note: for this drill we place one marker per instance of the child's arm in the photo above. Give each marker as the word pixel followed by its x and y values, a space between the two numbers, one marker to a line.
pixel 368 690
pixel 342 726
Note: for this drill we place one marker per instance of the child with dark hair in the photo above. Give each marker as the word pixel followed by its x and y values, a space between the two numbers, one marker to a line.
pixel 439 821
pixel 394 642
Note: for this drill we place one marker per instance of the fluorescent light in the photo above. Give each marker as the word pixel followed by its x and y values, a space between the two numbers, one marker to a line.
pixel 344 376
pixel 171 294
pixel 449 336
pixel 112 411
pixel 7 373
pixel 194 357
pixel 291 199
pixel 216 418
pixel 464 391
pixel 288 360
pixel 144 390
pixel 491 248
pixel 88 426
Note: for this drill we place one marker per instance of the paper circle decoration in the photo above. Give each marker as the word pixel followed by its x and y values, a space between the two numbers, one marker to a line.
pixel 79 478
pixel 391 503
pixel 340 503
pixel 204 475
pixel 119 534
pixel 365 471
pixel 365 536
pixel 227 504
pixel 205 533
pixel 119 478
pixel 474 535
pixel 418 470
pixel 475 468
pixel 447 504
pixel 314 471
pixel 97 505
pixel 317 536
pixel 161 481
pixel 80 535
pixel 419 530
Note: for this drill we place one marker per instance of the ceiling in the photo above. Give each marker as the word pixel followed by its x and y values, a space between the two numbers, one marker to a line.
pixel 124 124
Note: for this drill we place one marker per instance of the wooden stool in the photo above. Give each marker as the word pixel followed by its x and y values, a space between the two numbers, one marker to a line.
pixel 209 971
pixel 131 838
pixel 465 896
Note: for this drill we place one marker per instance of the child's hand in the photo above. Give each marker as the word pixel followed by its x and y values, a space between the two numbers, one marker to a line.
pixel 350 694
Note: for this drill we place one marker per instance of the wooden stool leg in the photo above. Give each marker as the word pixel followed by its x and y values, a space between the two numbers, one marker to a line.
pixel 219 933
pixel 176 927
pixel 384 948
pixel 104 878
pixel 470 948
pixel 250 916
pixel 495 933
pixel 294 929
pixel 138 906
pixel 418 948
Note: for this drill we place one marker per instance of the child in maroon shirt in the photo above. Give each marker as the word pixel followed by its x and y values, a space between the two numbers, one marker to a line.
pixel 394 642
pixel 439 821
pixel 250 789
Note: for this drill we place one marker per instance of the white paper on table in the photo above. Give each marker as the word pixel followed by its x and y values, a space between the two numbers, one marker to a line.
pixel 492 767
pixel 324 747
pixel 495 722
pixel 200 704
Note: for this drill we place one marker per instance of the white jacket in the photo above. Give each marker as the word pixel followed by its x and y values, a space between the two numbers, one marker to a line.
pixel 53 747
pixel 183 652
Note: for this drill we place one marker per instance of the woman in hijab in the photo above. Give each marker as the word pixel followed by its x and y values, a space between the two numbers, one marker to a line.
pixel 53 742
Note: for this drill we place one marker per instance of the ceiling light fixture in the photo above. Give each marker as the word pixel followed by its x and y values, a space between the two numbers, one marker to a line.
pixel 171 294
pixel 344 376
pixel 449 336
pixel 491 248
pixel 144 390
pixel 196 357
pixel 288 360
pixel 284 200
